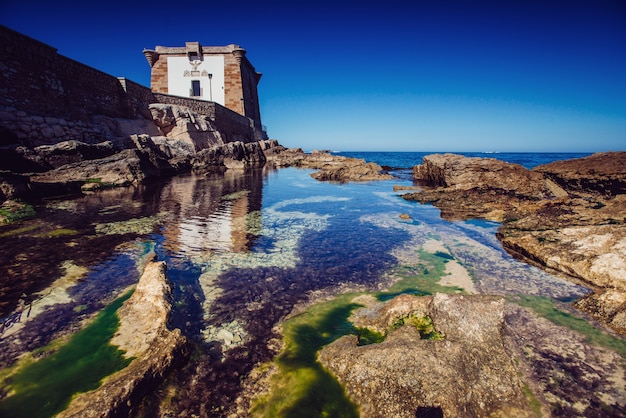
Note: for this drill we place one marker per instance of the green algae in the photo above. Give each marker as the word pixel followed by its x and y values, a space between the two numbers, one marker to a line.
pixel 366 336
pixel 20 231
pixel 16 211
pixel 423 278
pixel 45 387
pixel 546 308
pixel 302 387
pixel 424 325
pixel 59 232
pixel 534 403
pixel 142 226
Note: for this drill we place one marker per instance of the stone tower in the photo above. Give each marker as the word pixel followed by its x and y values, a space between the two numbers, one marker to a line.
pixel 220 74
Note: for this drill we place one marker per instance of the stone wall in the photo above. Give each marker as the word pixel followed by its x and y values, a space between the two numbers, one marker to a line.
pixel 231 125
pixel 46 98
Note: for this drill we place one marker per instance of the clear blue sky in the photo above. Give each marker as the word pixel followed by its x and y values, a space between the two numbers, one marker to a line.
pixel 508 75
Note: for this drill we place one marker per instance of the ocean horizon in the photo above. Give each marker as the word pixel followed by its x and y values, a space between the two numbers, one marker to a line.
pixel 401 160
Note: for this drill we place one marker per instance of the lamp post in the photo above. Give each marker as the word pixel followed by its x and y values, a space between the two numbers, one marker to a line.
pixel 210 87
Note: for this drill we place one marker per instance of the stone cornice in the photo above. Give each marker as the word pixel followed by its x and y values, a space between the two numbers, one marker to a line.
pixel 182 50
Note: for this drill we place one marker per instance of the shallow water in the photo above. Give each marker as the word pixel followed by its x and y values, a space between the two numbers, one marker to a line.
pixel 242 250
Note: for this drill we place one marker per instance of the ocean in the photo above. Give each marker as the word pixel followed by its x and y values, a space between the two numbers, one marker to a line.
pixel 400 163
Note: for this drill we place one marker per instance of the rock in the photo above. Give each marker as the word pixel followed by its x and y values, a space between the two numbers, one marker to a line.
pixel 567 217
pixel 610 306
pixel 333 167
pixel 233 155
pixel 130 166
pixel 20 159
pixel 457 172
pixel 143 334
pixel 12 185
pixel 602 173
pixel 68 152
pixel 180 123
pixel 468 373
pixel 352 170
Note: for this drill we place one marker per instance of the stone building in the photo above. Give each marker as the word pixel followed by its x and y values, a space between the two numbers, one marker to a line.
pixel 220 74
pixel 47 98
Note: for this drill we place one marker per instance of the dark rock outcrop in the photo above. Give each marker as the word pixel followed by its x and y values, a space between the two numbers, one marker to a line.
pixel 130 166
pixel 69 152
pixel 233 155
pixel 602 173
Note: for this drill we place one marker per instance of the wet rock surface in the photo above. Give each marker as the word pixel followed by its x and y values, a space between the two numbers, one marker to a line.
pixel 569 376
pixel 566 217
pixel 144 335
pixel 467 373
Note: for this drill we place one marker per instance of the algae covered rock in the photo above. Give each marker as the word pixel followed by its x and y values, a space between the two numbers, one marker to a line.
pixel 145 336
pixel 467 373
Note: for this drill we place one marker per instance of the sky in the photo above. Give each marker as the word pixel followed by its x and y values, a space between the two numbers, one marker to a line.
pixel 385 75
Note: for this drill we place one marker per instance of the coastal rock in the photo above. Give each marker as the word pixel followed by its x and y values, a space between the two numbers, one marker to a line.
pixel 602 173
pixel 566 217
pixel 130 166
pixel 144 335
pixel 233 155
pixel 12 185
pixel 182 124
pixel 351 170
pixel 457 172
pixel 68 152
pixel 332 167
pixel 609 306
pixel 468 373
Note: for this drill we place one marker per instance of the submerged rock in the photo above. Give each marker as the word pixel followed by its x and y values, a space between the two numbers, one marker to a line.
pixel 467 373
pixel 144 335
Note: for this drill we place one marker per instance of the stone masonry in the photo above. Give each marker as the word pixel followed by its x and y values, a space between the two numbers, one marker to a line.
pixel 47 98
pixel 240 77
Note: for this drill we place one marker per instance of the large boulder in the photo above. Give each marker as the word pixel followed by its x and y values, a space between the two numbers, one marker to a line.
pixel 130 166
pixel 457 172
pixel 467 373
pixel 181 123
pixel 69 152
pixel 233 155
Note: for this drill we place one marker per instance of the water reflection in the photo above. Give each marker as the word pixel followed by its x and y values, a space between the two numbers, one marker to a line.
pixel 210 215
pixel 105 236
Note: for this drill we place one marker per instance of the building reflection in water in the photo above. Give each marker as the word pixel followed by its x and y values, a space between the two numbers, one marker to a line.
pixel 205 215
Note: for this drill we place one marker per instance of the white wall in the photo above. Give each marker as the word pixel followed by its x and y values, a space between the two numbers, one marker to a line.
pixel 179 85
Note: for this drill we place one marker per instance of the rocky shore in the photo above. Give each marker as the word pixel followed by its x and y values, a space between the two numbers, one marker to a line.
pixel 176 141
pixel 144 335
pixel 567 217
pixel 466 371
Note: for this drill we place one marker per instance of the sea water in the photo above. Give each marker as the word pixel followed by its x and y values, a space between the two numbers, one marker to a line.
pixel 242 250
